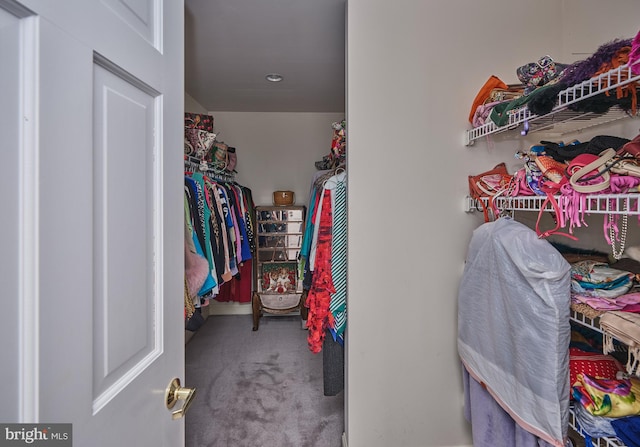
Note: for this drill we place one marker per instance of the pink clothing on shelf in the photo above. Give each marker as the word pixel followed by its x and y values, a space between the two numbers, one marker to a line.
pixel 618 303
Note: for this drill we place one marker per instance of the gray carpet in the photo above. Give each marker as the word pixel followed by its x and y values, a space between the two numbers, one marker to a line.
pixel 258 389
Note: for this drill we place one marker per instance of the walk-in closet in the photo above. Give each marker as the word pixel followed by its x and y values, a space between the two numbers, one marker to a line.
pixel 265 230
pixel 95 301
pixel 265 294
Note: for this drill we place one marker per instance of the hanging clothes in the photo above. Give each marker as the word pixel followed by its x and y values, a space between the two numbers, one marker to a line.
pixel 197 271
pixel 194 208
pixel 323 260
pixel 215 211
pixel 216 232
pixel 319 296
pixel 338 305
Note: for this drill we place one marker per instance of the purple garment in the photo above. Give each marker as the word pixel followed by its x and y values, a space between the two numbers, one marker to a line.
pixel 491 426
pixel 582 70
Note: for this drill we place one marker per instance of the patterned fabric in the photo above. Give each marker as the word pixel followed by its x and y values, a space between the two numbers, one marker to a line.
pixel 226 274
pixel 197 143
pixel 592 364
pixel 198 121
pixel 231 232
pixel 249 217
pixel 205 216
pixel 319 298
pixel 608 397
pixel 338 306
pixel 210 284
pixel 592 278
pixel 189 308
pixel 216 231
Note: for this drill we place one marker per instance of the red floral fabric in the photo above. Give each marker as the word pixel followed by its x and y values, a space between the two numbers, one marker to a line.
pixel 319 297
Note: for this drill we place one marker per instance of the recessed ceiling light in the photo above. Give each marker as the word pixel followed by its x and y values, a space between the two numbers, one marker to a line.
pixel 274 77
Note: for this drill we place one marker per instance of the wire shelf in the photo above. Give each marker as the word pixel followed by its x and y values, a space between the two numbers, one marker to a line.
pixel 593 204
pixel 583 320
pixel 561 119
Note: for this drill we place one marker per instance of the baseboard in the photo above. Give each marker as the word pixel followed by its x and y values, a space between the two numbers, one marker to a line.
pixel 344 439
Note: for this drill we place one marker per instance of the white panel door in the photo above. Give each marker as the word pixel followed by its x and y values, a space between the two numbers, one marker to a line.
pixel 94 261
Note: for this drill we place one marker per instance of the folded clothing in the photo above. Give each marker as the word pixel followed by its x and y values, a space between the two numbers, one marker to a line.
pixel 608 397
pixel 628 302
pixel 594 426
pixel 592 364
pixel 628 430
pixel 592 278
pixel 482 113
pixel 485 92
pixel 624 327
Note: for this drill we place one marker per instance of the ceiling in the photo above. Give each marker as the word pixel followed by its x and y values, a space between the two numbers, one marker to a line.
pixel 230 45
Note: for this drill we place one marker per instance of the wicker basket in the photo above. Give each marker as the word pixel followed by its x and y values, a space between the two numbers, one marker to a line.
pixel 283 198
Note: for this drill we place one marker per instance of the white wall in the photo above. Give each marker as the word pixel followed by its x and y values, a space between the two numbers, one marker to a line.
pixel 276 151
pixel 414 68
pixel 191 105
pixel 587 24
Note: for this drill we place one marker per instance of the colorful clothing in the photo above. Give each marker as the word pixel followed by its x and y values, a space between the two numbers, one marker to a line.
pixel 338 306
pixel 319 296
pixel 608 397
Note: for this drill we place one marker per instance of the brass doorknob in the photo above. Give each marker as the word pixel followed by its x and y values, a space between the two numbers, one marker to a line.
pixel 174 393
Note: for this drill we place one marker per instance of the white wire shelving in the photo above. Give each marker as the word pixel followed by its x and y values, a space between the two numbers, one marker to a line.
pixel 562 119
pixel 593 204
pixel 583 320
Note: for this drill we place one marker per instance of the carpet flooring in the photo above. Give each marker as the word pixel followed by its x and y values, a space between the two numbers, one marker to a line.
pixel 258 389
